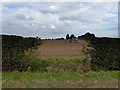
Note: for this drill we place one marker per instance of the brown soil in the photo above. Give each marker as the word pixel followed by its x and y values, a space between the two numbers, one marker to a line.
pixel 61 48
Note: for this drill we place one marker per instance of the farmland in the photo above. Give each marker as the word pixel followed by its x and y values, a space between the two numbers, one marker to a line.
pixel 61 48
pixel 56 64
pixel 60 44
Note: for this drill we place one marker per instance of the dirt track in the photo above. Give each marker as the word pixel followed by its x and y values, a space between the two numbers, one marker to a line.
pixel 61 48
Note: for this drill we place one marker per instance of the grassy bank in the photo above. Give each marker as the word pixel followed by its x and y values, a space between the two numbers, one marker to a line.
pixel 55 64
pixel 102 79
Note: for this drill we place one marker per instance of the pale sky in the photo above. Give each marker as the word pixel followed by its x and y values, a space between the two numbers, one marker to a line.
pixel 56 19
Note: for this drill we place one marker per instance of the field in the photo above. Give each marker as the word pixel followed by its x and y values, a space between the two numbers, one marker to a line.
pixel 60 64
pixel 61 48
pixel 102 79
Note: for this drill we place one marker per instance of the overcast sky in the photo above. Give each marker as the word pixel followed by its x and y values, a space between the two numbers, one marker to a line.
pixel 56 19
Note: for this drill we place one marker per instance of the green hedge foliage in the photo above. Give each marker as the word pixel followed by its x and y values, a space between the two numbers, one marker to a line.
pixel 13 48
pixel 105 54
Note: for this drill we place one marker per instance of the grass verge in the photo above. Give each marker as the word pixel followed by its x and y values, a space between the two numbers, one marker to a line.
pixel 101 79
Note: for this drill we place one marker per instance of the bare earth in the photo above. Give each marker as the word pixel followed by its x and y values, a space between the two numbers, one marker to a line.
pixel 61 48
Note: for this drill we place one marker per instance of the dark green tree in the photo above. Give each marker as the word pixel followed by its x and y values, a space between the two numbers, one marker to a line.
pixel 67 36
pixel 72 36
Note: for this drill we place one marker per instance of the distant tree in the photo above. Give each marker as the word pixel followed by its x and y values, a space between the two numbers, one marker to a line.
pixel 37 37
pixel 59 38
pixel 62 38
pixel 67 36
pixel 72 36
pixel 87 36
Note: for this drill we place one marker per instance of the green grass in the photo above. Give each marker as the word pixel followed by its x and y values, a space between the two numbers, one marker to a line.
pixel 55 64
pixel 59 72
pixel 102 79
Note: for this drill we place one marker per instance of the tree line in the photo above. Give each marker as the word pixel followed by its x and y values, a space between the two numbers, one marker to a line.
pixel 73 37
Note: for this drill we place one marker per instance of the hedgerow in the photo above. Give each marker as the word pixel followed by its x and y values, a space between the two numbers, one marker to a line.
pixel 105 54
pixel 13 51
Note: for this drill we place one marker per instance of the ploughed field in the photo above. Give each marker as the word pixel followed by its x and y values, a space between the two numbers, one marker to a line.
pixel 61 48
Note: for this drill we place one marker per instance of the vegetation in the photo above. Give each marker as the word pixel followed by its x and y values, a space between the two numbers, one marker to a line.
pixel 13 49
pixel 57 71
pixel 70 37
pixel 57 64
pixel 87 36
pixel 105 54
pixel 102 79
pixel 67 36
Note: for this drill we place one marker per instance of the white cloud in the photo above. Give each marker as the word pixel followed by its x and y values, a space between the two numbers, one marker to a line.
pixel 53 27
pixel 58 19
pixel 60 0
pixel 54 7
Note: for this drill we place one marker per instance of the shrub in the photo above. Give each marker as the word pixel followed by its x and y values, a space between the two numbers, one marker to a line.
pixel 13 48
pixel 106 54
